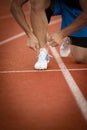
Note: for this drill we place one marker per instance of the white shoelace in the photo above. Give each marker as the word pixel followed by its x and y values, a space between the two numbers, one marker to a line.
pixel 42 56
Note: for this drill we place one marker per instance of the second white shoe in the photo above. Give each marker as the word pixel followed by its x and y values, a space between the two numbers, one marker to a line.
pixel 65 49
pixel 43 60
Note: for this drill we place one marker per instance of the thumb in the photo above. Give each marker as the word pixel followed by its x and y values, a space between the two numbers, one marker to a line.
pixel 32 47
pixel 37 46
pixel 49 38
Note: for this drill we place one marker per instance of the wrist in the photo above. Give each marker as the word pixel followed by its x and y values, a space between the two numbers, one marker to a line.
pixel 63 34
pixel 29 33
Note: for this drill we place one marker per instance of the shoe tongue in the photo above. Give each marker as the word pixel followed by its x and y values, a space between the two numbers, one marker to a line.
pixel 42 54
pixel 43 50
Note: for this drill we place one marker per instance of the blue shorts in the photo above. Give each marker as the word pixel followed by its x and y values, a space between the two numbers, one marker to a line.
pixel 68 16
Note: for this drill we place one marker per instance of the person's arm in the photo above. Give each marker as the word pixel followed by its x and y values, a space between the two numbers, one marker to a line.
pixel 78 23
pixel 18 14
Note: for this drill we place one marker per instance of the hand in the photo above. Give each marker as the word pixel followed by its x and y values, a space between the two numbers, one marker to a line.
pixel 55 39
pixel 32 42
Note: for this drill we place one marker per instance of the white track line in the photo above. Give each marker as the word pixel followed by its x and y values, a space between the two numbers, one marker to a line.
pixel 35 71
pixel 28 71
pixel 22 34
pixel 80 99
pixel 10 16
pixel 55 21
pixel 12 38
pixel 5 17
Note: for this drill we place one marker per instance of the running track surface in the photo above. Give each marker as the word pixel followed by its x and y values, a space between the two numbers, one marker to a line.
pixel 55 99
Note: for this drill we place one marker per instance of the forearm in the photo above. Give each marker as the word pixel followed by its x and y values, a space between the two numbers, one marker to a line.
pixel 76 25
pixel 18 14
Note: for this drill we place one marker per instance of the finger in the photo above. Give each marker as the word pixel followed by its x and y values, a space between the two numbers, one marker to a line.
pixel 53 44
pixel 33 48
pixel 37 46
pixel 49 38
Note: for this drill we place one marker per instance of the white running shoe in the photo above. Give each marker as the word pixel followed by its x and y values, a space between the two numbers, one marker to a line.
pixel 43 60
pixel 65 48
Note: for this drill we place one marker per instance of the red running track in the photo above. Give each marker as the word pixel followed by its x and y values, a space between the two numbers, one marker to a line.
pixel 55 99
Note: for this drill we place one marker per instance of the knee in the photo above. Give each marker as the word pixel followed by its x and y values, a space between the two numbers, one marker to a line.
pixel 79 59
pixel 79 54
pixel 39 5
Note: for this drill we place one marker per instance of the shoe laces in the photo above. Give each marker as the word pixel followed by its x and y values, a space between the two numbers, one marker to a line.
pixel 65 44
pixel 43 56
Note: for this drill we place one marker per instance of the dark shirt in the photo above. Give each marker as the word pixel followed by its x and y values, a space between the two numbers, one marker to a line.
pixel 72 3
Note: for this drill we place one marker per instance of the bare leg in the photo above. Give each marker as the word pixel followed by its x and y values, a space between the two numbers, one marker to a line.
pixel 40 25
pixel 79 53
pixel 39 21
